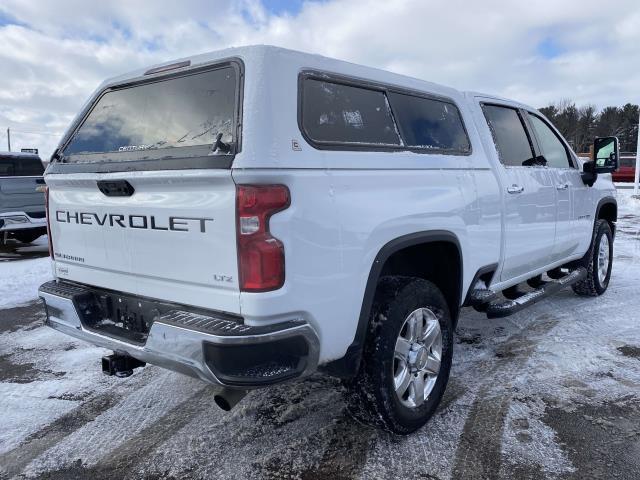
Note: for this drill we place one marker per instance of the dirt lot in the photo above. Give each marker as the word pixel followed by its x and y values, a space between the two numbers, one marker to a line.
pixel 552 392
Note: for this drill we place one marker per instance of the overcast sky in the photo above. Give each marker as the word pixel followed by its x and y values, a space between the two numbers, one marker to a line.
pixel 54 53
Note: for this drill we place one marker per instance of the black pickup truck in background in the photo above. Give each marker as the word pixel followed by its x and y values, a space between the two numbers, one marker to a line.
pixel 22 209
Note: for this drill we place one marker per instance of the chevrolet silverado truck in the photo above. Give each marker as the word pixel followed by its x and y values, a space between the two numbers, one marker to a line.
pixel 253 215
pixel 22 209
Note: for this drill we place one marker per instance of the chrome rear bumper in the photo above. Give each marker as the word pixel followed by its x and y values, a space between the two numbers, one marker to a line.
pixel 201 346
pixel 12 221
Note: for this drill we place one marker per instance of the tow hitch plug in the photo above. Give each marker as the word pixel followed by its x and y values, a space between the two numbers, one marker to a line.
pixel 120 365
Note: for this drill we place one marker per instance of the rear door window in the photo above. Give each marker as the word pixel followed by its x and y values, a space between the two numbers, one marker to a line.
pixel 166 115
pixel 336 113
pixel 429 123
pixel 511 139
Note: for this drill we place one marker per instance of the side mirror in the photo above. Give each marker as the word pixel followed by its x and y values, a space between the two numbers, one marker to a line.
pixel 589 174
pixel 606 152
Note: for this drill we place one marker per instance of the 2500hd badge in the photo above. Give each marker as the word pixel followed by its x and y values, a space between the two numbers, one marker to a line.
pixel 177 224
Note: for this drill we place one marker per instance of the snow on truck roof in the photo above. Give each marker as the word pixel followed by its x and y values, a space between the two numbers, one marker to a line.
pixel 270 57
pixel 283 65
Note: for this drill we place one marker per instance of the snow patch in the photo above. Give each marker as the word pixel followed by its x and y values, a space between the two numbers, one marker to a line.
pixel 19 280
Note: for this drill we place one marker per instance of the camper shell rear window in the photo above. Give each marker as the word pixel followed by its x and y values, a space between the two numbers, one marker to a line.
pixel 177 116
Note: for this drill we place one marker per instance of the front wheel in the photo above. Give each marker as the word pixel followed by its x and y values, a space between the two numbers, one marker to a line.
pixel 598 262
pixel 407 357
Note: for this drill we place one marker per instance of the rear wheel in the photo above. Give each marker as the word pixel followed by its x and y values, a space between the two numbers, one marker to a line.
pixel 407 358
pixel 598 262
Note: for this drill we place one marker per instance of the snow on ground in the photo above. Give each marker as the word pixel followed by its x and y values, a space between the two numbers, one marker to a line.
pixel 19 280
pixel 551 392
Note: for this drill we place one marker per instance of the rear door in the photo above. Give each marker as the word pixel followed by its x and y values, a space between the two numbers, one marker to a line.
pixel 529 194
pixel 141 199
pixel 574 215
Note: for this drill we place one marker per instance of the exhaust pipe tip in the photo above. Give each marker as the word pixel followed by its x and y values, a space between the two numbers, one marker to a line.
pixel 227 398
pixel 222 402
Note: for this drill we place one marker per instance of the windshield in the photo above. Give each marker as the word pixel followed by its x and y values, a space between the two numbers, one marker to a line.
pixel 186 111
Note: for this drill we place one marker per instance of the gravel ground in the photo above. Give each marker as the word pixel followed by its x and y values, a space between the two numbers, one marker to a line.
pixel 551 392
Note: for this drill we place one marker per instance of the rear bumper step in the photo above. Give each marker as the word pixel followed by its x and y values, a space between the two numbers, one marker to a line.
pixel 498 309
pixel 216 348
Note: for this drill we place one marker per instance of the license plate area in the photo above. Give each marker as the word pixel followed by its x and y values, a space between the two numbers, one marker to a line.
pixel 117 315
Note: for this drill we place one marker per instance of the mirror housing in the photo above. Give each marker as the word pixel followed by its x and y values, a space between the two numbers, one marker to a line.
pixel 606 154
pixel 589 174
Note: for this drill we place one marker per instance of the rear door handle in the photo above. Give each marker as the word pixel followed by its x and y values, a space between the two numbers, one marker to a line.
pixel 515 189
pixel 562 186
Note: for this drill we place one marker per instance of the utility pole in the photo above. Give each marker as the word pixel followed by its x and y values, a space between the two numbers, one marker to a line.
pixel 9 139
pixel 635 183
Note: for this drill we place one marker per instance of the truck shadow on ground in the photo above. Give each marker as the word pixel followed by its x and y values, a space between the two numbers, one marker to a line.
pixel 13 250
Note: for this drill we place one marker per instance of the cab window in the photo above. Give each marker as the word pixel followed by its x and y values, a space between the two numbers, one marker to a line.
pixel 509 135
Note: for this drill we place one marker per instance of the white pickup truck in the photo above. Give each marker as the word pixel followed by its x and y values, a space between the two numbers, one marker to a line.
pixel 253 215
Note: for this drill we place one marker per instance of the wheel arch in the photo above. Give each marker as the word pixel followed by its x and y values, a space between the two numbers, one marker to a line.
pixel 607 209
pixel 390 253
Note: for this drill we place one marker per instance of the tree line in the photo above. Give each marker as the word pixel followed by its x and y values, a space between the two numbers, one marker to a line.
pixel 580 125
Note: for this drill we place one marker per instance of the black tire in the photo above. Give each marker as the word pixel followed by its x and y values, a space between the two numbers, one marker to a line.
pixel 372 397
pixel 594 285
pixel 28 236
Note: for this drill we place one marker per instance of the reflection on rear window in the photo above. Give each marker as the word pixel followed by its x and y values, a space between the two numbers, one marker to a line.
pixel 179 112
pixel 340 113
pixel 362 116
pixel 429 123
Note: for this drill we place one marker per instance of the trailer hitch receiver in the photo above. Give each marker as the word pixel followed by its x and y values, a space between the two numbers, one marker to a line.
pixel 120 365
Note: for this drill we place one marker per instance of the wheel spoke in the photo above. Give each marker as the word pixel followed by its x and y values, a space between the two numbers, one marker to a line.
pixel 402 381
pixel 402 348
pixel 417 390
pixel 413 328
pixel 431 333
pixel 433 365
pixel 418 325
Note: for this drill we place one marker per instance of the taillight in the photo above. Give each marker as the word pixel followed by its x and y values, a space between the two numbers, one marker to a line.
pixel 260 255
pixel 46 207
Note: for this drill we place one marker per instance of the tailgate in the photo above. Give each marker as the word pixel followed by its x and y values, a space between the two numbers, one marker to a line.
pixel 19 194
pixel 172 238
pixel 141 198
